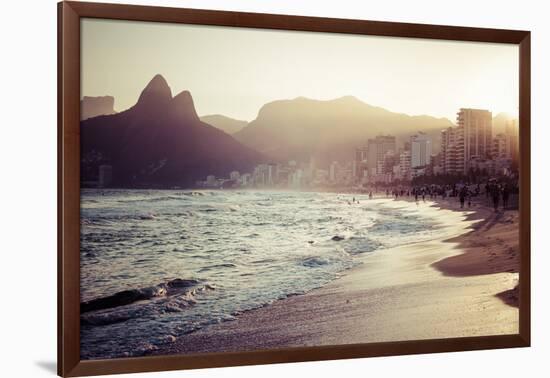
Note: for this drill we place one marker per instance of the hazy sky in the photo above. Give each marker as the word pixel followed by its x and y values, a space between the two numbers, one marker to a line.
pixel 234 71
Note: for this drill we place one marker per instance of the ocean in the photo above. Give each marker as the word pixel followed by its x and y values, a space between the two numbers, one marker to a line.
pixel 156 264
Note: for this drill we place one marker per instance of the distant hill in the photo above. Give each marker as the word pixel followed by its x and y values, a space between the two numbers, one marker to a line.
pixel 226 124
pixel 96 106
pixel 329 130
pixel 160 142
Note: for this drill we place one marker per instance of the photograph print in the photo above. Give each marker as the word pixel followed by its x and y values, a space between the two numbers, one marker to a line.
pixel 250 189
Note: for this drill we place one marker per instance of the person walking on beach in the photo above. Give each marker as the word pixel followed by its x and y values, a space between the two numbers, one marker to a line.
pixel 505 196
pixel 496 196
pixel 462 196
pixel 370 195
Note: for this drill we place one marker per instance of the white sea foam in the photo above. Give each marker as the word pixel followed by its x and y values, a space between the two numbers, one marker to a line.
pixel 253 247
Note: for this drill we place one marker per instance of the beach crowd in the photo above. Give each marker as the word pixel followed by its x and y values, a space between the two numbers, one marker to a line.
pixel 496 193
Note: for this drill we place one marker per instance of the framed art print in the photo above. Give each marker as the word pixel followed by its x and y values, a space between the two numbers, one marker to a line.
pixel 240 188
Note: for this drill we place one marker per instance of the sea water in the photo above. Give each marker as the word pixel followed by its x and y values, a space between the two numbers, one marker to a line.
pixel 159 264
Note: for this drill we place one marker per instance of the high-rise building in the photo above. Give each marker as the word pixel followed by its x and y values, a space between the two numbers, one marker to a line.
pixel 501 147
pixel 405 165
pixel 436 166
pixel 452 150
pixel 477 125
pixel 246 179
pixel 260 175
pixel 387 163
pixel 512 132
pixel 505 148
pixel 296 179
pixel 271 174
pixel 471 140
pixel 211 180
pixel 421 150
pixel 377 149
pixel 360 161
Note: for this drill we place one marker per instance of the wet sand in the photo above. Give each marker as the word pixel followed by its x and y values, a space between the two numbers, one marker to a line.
pixel 492 246
pixel 454 286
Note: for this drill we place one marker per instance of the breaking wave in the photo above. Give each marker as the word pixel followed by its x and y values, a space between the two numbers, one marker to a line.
pixel 248 248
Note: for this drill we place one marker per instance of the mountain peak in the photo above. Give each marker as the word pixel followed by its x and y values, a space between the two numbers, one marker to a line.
pixel 160 142
pixel 348 98
pixel 158 82
pixel 157 90
pixel 184 106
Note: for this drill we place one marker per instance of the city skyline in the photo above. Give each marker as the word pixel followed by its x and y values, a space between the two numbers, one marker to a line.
pixel 235 72
pixel 469 146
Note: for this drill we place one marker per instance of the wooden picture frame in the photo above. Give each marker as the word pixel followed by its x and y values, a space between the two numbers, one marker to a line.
pixel 69 16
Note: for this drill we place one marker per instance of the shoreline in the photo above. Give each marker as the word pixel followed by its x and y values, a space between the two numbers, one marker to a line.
pixel 420 291
pixel 491 246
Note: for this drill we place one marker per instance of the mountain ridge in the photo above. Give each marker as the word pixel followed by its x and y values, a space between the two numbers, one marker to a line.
pixel 227 124
pixel 93 106
pixel 329 129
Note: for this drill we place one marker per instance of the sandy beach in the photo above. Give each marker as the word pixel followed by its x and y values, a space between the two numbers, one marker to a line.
pixel 455 286
pixel 492 246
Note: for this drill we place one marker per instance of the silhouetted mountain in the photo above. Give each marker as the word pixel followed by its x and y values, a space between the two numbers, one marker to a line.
pixel 96 106
pixel 226 124
pixel 329 130
pixel 160 142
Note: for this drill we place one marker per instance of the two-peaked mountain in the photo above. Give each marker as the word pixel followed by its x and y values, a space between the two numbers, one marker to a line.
pixel 329 130
pixel 160 142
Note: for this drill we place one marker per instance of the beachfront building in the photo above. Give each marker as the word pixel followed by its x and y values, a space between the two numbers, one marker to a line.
pixel 477 125
pixel 296 180
pixel 469 145
pixel 245 179
pixel 436 167
pixel 512 132
pixel 346 174
pixel 501 147
pixel 359 163
pixel 405 165
pixel 386 168
pixel 271 173
pixel 320 178
pixel 377 148
pixel 211 181
pixel 260 175
pixel 234 175
pixel 452 150
pixel 505 144
pixel 421 150
pixel 281 174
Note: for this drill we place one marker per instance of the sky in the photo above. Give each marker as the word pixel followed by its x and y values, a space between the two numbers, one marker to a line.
pixel 235 71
